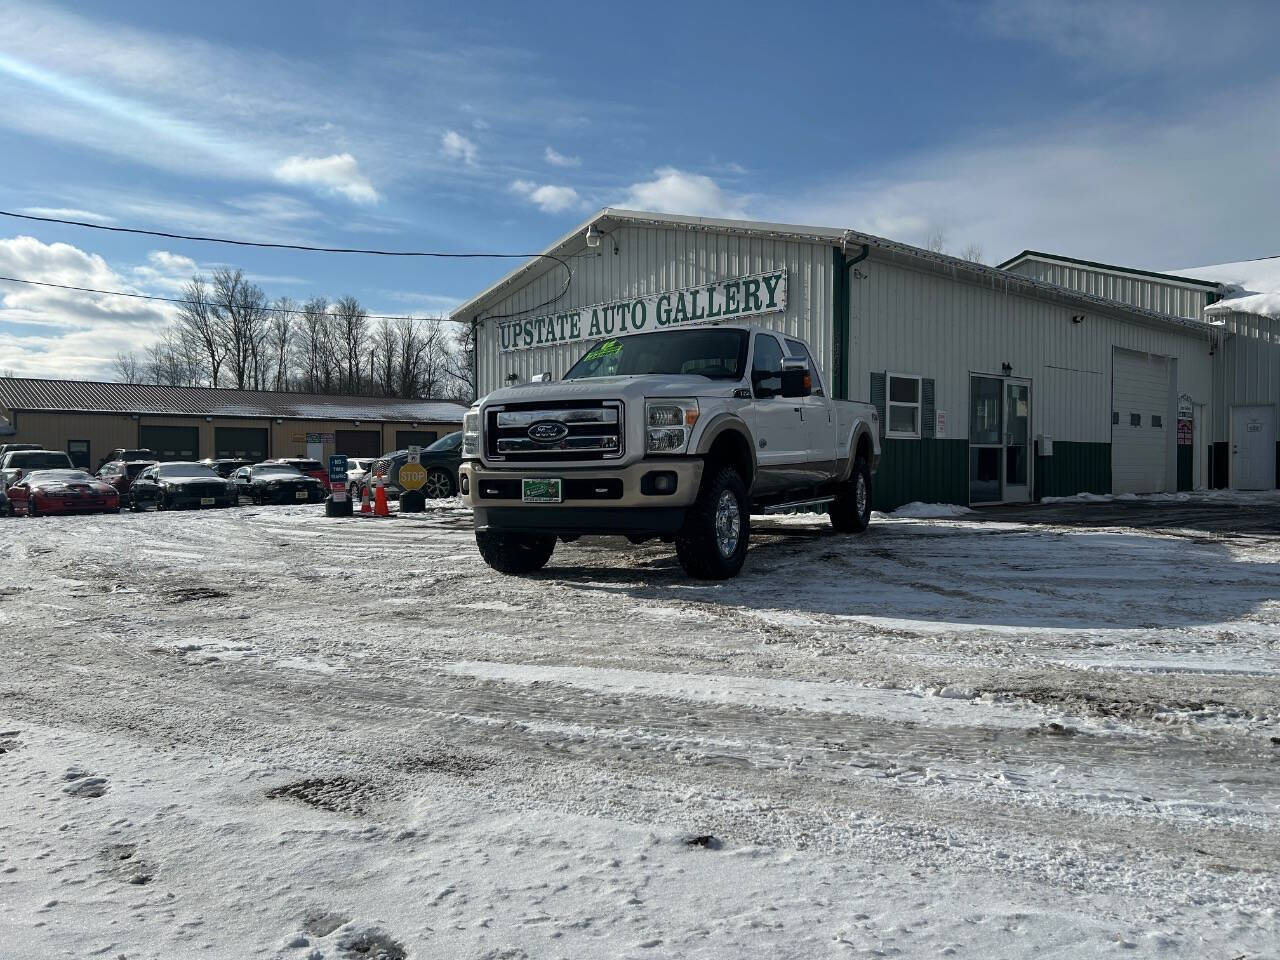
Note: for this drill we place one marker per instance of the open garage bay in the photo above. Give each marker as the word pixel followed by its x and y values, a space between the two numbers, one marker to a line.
pixel 261 732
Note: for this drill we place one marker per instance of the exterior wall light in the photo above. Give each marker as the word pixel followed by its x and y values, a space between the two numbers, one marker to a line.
pixel 1006 368
pixel 593 236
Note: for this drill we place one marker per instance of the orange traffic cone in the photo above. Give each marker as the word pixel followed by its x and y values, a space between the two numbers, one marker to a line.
pixel 365 505
pixel 380 505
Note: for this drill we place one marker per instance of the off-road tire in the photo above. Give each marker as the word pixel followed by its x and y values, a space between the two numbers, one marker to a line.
pixel 412 501
pixel 697 543
pixel 515 553
pixel 846 515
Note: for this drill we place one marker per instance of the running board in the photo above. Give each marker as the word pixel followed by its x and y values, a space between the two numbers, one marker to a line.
pixel 797 505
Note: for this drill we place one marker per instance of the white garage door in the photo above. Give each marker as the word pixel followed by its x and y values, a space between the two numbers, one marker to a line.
pixel 1139 422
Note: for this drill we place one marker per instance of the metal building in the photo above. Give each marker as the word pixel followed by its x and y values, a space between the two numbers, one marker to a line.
pixel 88 419
pixel 1235 435
pixel 993 387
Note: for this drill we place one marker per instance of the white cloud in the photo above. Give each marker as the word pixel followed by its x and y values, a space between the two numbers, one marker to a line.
pixel 165 271
pixel 457 147
pixel 68 213
pixel 1144 192
pixel 335 174
pixel 558 159
pixel 547 197
pixel 677 191
pixel 62 333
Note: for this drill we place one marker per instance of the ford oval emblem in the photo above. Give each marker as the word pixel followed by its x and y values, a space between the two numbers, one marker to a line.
pixel 548 431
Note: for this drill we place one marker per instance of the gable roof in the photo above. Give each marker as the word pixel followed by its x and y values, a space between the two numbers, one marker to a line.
pixel 608 218
pixel 1180 280
pixel 21 393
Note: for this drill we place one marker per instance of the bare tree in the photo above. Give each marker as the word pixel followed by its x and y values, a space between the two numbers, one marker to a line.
pixel 382 357
pixel 936 241
pixel 199 324
pixel 972 253
pixel 127 368
pixel 313 345
pixel 460 364
pixel 279 343
pixel 175 360
pixel 241 311
pixel 351 328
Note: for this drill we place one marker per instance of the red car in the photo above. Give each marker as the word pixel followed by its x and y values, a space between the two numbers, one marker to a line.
pixel 120 474
pixel 312 468
pixel 62 491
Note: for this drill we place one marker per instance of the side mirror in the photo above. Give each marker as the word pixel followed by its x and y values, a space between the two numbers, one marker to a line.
pixel 796 379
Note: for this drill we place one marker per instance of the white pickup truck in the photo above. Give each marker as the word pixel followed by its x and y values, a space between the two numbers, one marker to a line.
pixel 680 434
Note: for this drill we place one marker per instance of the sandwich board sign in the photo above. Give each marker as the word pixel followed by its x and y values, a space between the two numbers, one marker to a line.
pixel 338 477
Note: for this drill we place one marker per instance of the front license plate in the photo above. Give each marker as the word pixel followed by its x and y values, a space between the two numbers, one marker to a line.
pixel 540 490
pixel 206 501
pixel 300 495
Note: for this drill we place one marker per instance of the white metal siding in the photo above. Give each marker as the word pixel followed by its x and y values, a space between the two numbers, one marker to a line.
pixel 1146 292
pixel 1140 388
pixel 653 260
pixel 911 321
pixel 1248 369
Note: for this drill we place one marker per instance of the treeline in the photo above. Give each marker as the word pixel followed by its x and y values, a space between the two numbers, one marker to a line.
pixel 228 334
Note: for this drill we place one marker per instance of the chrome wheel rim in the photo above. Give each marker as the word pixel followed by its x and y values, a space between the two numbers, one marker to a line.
pixel 728 523
pixel 861 494
pixel 437 485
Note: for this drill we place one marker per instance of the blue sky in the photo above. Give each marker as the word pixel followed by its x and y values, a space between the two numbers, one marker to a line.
pixel 1125 131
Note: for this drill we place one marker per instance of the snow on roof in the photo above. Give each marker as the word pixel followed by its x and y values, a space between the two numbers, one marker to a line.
pixel 1254 285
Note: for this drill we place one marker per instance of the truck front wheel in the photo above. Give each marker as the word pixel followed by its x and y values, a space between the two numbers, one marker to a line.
pixel 713 542
pixel 851 510
pixel 514 552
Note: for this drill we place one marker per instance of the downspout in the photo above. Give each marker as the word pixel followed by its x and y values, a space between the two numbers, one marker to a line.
pixel 475 357
pixel 840 296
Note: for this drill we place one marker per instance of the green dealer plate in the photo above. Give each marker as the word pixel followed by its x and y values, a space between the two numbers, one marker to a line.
pixel 540 490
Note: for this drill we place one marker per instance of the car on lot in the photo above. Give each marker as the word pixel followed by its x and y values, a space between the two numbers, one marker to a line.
pixel 129 453
pixel 121 474
pixel 441 461
pixel 17 463
pixel 679 434
pixel 179 484
pixel 278 483
pixel 357 470
pixel 312 468
pixel 9 447
pixel 226 466
pixel 62 491
pixel 5 510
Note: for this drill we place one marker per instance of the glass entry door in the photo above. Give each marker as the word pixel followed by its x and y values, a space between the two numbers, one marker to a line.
pixel 999 440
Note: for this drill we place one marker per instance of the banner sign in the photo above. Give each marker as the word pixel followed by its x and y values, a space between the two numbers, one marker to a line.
pixel 732 299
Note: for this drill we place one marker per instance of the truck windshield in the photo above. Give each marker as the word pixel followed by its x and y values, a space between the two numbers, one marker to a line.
pixel 713 353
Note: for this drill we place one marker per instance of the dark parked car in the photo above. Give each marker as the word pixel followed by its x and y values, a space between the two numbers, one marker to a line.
pixel 278 483
pixel 125 453
pixel 175 485
pixel 441 460
pixel 226 466
pixel 62 491
pixel 312 468
pixel 121 474
pixel 19 462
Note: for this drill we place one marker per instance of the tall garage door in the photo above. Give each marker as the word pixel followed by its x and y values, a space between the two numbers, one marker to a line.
pixel 1139 422
pixel 358 443
pixel 240 443
pixel 172 443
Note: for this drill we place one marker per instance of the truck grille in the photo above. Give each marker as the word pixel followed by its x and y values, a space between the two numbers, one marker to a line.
pixel 578 430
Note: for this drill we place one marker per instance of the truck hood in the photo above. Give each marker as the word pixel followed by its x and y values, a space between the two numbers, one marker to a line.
pixel 613 388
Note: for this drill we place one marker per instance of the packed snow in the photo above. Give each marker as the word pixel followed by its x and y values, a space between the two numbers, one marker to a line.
pixel 266 733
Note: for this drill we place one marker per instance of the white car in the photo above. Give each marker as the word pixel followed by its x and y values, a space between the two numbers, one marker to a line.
pixel 357 470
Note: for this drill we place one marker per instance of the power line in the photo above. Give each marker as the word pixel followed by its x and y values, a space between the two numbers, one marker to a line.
pixel 306 248
pixel 180 300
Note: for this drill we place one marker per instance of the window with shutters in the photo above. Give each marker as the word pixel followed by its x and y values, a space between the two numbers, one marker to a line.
pixel 903 406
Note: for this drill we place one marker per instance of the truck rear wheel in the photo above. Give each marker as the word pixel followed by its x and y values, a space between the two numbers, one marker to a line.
pixel 515 552
pixel 713 542
pixel 851 510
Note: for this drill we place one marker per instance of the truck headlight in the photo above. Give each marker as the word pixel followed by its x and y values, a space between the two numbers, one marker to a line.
pixel 669 425
pixel 471 434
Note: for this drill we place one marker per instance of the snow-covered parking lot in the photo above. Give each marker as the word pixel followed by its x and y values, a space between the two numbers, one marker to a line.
pixel 264 733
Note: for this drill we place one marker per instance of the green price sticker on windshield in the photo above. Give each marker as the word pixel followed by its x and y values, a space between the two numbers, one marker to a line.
pixel 606 349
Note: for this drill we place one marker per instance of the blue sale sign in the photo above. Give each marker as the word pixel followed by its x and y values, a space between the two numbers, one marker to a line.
pixel 338 470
